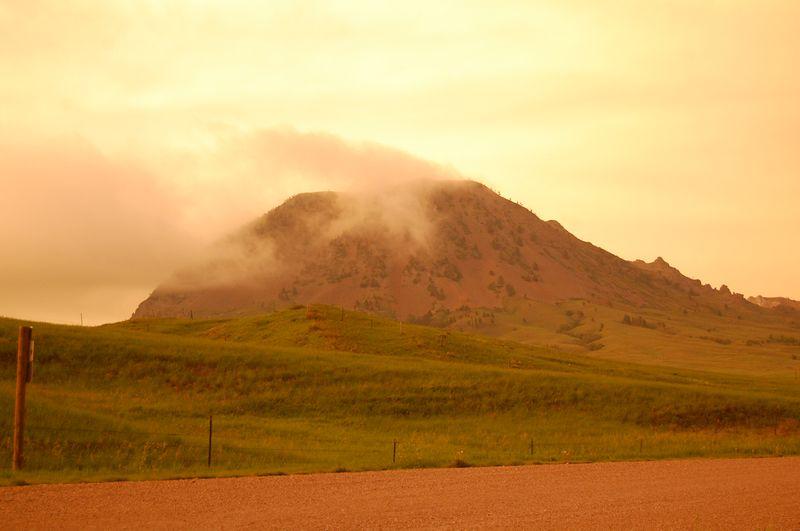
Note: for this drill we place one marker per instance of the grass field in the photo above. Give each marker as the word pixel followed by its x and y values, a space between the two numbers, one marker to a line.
pixel 319 389
pixel 747 341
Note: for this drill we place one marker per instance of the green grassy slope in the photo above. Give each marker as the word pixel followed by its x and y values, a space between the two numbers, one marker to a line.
pixel 317 389
pixel 729 340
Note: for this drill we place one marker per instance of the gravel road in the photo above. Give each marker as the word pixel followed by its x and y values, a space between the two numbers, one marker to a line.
pixel 706 494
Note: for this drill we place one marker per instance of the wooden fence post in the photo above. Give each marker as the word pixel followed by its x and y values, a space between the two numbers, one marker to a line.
pixel 23 373
pixel 394 451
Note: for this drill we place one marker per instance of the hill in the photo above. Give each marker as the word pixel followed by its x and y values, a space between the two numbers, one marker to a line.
pixel 455 255
pixel 318 388
pixel 418 251
pixel 779 303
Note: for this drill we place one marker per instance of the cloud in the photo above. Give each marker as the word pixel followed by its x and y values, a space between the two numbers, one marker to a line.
pixel 81 232
pixel 325 157
pixel 71 214
pixel 238 175
pixel 262 167
pixel 78 222
pixel 249 172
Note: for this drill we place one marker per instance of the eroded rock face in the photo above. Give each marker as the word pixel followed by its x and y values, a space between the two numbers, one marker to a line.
pixel 781 303
pixel 411 250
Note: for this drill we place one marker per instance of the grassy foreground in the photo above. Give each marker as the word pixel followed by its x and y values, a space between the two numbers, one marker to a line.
pixel 318 389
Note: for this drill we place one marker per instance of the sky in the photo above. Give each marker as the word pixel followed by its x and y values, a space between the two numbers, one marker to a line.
pixel 134 133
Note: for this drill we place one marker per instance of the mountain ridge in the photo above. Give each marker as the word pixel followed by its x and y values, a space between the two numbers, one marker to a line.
pixel 415 249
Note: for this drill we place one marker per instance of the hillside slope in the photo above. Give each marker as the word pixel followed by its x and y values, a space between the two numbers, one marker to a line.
pixel 783 304
pixel 312 389
pixel 418 250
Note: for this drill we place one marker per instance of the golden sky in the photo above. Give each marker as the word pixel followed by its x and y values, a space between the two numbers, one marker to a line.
pixel 134 132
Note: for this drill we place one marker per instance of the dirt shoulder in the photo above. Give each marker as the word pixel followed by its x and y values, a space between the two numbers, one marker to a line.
pixel 724 493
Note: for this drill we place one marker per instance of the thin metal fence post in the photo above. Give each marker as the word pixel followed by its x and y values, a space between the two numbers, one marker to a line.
pixel 210 432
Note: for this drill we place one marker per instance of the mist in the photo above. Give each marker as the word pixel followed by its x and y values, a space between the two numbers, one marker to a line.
pixel 93 233
pixel 378 188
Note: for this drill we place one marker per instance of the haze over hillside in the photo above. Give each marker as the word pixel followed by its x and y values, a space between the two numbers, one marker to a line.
pixel 153 128
pixel 411 251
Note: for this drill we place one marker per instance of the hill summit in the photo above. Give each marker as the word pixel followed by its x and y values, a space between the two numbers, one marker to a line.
pixel 410 251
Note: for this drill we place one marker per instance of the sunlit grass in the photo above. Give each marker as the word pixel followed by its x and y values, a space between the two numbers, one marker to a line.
pixel 298 391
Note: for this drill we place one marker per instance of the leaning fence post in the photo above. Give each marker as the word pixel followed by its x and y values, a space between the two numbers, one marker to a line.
pixel 210 432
